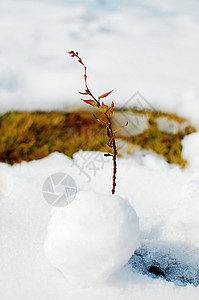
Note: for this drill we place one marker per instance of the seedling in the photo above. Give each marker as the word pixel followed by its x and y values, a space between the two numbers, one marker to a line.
pixel 106 112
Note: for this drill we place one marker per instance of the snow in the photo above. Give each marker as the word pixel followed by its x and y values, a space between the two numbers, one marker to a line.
pixel 86 240
pixel 94 241
pixel 129 46
pixel 170 126
pixel 165 198
pixel 190 148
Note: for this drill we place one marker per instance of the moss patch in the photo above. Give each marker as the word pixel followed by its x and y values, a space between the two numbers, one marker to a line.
pixel 34 135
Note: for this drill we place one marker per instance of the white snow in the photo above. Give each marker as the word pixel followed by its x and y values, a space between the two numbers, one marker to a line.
pixel 86 240
pixel 165 198
pixel 169 126
pixel 190 149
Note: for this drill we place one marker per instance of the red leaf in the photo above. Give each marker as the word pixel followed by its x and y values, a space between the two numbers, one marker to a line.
pixel 105 95
pixel 72 53
pixel 90 102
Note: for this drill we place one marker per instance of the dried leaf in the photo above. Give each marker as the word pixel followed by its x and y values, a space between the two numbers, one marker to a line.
pixel 90 102
pixel 121 127
pixel 99 120
pixel 105 95
pixel 110 110
pixel 85 93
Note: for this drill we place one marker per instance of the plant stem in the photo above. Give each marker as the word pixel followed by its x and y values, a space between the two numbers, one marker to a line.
pixel 111 136
pixel 111 142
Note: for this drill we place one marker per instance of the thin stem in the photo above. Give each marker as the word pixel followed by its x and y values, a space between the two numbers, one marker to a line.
pixel 86 85
pixel 111 136
pixel 111 142
pixel 75 54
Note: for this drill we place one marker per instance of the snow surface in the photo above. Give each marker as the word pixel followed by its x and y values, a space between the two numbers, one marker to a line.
pixel 190 149
pixel 162 196
pixel 86 240
pixel 147 46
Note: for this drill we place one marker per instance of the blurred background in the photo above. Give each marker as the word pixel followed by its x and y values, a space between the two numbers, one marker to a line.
pixel 148 46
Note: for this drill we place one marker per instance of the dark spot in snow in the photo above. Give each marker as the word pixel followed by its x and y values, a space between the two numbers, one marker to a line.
pixel 156 270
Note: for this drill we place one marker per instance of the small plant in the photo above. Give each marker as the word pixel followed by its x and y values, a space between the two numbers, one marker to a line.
pixel 106 111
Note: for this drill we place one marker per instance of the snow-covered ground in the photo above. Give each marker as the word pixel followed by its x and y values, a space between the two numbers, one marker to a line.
pixel 39 260
pixel 100 246
pixel 147 46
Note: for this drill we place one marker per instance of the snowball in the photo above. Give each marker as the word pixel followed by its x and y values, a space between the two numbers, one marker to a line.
pixel 190 149
pixel 92 237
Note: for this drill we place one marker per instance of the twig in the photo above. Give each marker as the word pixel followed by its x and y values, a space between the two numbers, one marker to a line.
pixel 107 112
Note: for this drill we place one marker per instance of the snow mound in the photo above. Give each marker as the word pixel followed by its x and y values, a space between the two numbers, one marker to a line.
pixel 92 237
pixel 190 149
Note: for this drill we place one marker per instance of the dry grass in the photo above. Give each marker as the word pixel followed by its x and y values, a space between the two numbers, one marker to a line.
pixel 34 135
pixel 163 143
